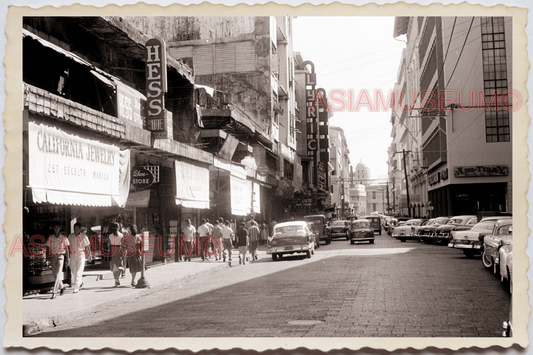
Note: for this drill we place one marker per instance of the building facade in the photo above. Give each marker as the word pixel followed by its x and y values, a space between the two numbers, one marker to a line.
pixel 455 126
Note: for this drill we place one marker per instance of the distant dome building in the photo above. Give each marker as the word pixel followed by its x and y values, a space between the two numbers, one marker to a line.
pixel 361 175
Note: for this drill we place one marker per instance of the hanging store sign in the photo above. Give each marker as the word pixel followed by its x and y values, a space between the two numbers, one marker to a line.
pixel 156 84
pixel 59 161
pixel 478 171
pixel 192 185
pixel 141 178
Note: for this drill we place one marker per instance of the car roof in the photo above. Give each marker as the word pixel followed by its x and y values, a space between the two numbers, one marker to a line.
pixel 495 218
pixel 464 216
pixel 290 223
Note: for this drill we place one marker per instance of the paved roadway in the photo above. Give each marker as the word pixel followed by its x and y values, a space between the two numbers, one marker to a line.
pixel 388 289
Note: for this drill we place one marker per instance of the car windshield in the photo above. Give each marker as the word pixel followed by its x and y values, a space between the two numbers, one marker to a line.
pixel 298 228
pixel 338 224
pixel 413 222
pixel 361 224
pixel 316 221
pixel 483 226
pixel 506 230
pixel 455 221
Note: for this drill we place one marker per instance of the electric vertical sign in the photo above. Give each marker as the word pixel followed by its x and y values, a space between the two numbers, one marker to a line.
pixel 156 85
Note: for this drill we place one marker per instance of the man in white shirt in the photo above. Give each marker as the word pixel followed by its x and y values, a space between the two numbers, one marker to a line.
pixel 188 235
pixel 227 240
pixel 79 248
pixel 203 231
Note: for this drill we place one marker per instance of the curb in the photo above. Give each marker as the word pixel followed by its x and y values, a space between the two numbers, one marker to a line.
pixel 39 325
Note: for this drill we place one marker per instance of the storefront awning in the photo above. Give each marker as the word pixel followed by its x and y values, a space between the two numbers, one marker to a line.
pixel 192 185
pixel 70 170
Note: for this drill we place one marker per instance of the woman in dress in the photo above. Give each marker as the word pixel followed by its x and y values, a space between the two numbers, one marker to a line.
pixel 133 253
pixel 115 241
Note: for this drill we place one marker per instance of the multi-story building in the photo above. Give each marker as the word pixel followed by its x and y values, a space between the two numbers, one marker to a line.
pixel 455 127
pixel 246 65
pixel 340 178
pixel 312 125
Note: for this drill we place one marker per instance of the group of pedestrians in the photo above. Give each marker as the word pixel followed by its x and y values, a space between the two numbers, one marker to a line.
pixel 125 248
pixel 222 238
pixel 70 253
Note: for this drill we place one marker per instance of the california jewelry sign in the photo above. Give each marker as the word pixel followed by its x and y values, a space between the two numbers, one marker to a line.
pixel 478 171
pixel 65 162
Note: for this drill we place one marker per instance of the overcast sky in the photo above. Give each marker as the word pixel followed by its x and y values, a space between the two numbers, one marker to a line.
pixel 354 53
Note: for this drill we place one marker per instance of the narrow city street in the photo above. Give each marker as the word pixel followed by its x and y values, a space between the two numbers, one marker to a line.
pixel 388 289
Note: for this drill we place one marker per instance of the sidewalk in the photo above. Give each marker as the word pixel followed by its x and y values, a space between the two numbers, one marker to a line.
pixel 99 292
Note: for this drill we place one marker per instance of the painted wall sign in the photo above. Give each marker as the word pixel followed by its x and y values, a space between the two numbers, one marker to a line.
pixel 477 171
pixel 131 107
pixel 141 178
pixel 156 83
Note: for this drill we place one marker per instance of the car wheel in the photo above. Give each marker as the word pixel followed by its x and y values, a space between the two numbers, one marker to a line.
pixel 308 254
pixel 347 238
pixel 438 241
pixel 274 257
pixel 402 240
pixel 352 242
pixel 487 260
pixel 371 241
pixel 496 268
pixel 328 241
pixel 469 253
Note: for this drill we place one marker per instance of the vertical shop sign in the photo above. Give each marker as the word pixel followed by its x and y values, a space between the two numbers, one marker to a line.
pixel 156 84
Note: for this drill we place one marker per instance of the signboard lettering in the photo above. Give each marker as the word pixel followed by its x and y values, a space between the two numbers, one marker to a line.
pixel 156 82
pixel 478 171
pixel 141 178
pixel 130 107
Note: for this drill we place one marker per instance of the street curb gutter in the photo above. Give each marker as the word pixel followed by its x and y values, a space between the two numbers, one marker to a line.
pixel 39 325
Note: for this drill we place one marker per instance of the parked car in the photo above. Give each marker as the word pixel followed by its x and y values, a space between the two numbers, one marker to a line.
pixel 319 223
pixel 506 262
pixel 501 234
pixel 407 231
pixel 470 241
pixel 425 234
pixel 338 229
pixel 442 233
pixel 289 238
pixel 361 230
pixel 375 223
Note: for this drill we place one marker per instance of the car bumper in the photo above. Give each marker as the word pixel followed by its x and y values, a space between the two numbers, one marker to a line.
pixel 288 249
pixel 361 239
pixel 337 234
pixel 464 245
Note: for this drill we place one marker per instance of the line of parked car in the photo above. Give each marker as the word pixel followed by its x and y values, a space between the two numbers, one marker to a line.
pixel 490 237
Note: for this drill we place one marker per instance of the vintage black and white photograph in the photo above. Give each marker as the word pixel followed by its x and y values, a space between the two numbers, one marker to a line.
pixel 284 176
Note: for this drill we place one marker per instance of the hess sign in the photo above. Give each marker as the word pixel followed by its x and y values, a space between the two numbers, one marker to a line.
pixel 156 84
pixel 141 178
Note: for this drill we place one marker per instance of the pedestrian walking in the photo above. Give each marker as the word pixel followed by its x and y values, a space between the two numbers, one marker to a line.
pixel 132 243
pixel 227 240
pixel 58 252
pixel 115 242
pixel 189 233
pixel 263 234
pixel 272 225
pixel 250 222
pixel 79 250
pixel 253 234
pixel 203 232
pixel 242 242
pixel 217 233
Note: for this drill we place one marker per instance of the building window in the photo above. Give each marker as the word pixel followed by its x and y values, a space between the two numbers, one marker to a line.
pixel 495 78
pixel 374 197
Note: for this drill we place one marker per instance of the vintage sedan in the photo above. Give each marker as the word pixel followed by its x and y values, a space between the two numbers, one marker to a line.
pixel 360 231
pixel 407 231
pixel 471 241
pixel 338 229
pixel 502 233
pixel 425 234
pixel 442 233
pixel 290 238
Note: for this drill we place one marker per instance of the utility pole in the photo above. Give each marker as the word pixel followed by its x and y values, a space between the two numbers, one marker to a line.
pixel 406 185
